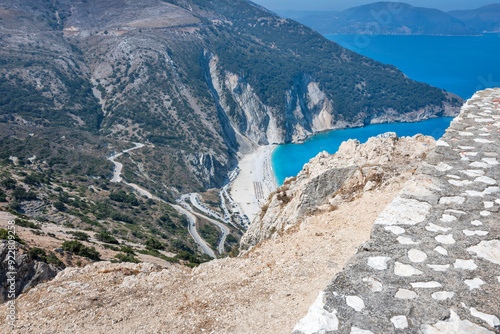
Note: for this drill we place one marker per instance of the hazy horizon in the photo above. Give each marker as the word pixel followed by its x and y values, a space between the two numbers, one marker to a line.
pixel 329 5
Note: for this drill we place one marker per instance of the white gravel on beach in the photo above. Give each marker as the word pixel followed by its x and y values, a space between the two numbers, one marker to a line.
pixel 254 182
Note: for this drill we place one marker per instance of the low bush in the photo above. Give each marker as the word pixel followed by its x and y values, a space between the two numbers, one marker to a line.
pixel 77 248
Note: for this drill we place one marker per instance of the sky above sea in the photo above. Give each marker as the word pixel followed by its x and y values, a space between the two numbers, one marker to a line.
pixel 326 5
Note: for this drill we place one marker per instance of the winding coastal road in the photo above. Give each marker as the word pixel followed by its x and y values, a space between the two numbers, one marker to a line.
pixel 118 166
pixel 208 212
pixel 191 218
pixel 224 229
pixel 194 233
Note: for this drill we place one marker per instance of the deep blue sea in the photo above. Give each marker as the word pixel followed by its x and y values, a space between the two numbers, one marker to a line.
pixel 459 64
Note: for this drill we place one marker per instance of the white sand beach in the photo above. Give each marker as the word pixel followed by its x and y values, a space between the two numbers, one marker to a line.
pixel 254 182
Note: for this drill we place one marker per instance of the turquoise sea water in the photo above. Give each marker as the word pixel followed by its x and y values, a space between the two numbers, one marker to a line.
pixel 459 64
pixel 289 159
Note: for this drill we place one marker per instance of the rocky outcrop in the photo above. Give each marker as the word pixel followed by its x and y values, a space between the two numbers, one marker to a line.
pixel 433 262
pixel 29 272
pixel 328 180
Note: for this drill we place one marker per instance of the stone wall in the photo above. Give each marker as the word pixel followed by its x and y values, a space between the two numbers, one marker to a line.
pixel 433 262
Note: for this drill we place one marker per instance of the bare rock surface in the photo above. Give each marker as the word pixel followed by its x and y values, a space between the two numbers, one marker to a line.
pixel 432 264
pixel 329 180
pixel 29 272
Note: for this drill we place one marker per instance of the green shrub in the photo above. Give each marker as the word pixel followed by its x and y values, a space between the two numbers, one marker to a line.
pixel 80 236
pixel 4 235
pixel 107 238
pixel 41 255
pixel 77 248
pixel 37 253
pixel 20 194
pixel 59 206
pixel 152 243
pixel 127 258
pixel 26 223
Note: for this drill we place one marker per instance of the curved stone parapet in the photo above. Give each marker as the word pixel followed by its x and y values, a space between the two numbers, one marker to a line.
pixel 433 262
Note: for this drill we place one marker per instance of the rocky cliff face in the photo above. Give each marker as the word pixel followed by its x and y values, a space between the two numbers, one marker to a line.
pixel 329 180
pixel 307 109
pixel 29 272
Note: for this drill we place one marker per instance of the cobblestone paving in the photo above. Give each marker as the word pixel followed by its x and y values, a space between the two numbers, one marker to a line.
pixel 433 262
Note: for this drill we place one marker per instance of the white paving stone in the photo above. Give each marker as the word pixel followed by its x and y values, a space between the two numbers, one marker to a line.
pixel 452 200
pixel 474 283
pixel 355 302
pixel 400 322
pixel 436 228
pixel 445 239
pixel 476 223
pixel 471 233
pixel 484 120
pixel 465 264
pixel 448 218
pixel 426 285
pixel 406 241
pixel 487 191
pixel 441 142
pixel 474 193
pixel 439 267
pixel 454 326
pixel 488 318
pixel 491 161
pixel 462 183
pixel 466 134
pixel 402 211
pixel 318 320
pixel 483 141
pixel 485 213
pixel 442 167
pixel 405 294
pixel 485 179
pixel 488 205
pixel 474 172
pixel 456 177
pixel 395 229
pixel 457 212
pixel 356 330
pixel 378 262
pixel 373 284
pixel 416 255
pixel 488 250
pixel 405 270
pixel 492 190
pixel 441 250
pixel 478 164
pixel 442 295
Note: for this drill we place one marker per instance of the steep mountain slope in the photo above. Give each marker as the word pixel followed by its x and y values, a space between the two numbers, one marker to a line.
pixel 201 80
pixel 484 19
pixel 387 18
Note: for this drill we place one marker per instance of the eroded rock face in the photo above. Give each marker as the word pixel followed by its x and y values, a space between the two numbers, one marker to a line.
pixel 328 180
pixel 29 272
